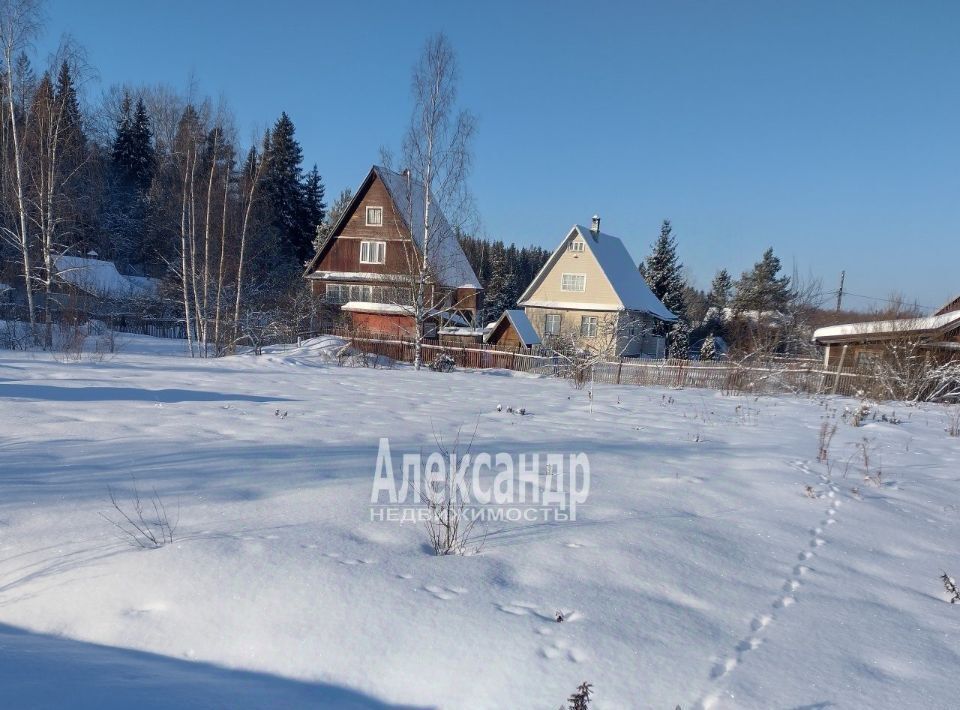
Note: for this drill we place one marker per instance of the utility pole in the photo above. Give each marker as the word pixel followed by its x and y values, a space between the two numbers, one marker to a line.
pixel 840 290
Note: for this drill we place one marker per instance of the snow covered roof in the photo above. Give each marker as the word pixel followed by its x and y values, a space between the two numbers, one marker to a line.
pixel 445 255
pixel 901 326
pixel 450 265
pixel 523 326
pixel 619 268
pixel 101 278
pixel 400 310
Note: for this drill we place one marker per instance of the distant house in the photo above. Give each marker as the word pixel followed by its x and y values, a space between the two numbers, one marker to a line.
pixel 591 291
pixel 93 277
pixel 512 330
pixel 854 344
pixel 365 268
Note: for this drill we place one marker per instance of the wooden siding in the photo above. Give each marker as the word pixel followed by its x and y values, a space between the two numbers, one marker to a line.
pixel 597 288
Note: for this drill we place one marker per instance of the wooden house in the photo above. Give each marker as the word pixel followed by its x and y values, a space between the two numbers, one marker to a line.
pixel 367 268
pixel 855 344
pixel 512 331
pixel 591 292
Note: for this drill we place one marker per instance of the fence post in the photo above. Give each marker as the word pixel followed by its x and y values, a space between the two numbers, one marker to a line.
pixel 619 370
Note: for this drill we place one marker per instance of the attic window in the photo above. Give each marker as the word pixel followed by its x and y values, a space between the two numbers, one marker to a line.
pixel 374 216
pixel 573 282
pixel 576 245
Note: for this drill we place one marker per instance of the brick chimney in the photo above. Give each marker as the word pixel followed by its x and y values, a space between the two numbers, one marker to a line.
pixel 595 225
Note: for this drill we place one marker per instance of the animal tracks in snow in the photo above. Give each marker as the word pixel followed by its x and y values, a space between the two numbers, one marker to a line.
pixel 722 667
pixel 444 593
pixel 555 648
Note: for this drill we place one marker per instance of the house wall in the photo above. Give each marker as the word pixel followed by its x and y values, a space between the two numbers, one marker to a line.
pixel 343 254
pixel 612 330
pixel 383 324
pixel 597 288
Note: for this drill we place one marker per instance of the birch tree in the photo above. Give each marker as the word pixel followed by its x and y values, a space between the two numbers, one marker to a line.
pixel 436 151
pixel 20 21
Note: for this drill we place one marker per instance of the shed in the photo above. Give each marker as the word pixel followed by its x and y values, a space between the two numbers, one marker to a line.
pixel 512 330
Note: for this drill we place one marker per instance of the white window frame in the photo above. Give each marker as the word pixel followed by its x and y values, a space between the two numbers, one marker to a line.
pixel 577 246
pixel 379 252
pixel 589 324
pixel 583 282
pixel 367 216
pixel 551 318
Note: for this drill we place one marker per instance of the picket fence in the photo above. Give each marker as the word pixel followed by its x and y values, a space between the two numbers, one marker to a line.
pixel 768 376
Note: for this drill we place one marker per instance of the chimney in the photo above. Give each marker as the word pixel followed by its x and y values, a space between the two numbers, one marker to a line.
pixel 595 225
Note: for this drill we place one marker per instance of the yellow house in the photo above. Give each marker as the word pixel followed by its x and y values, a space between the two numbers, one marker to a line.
pixel 590 292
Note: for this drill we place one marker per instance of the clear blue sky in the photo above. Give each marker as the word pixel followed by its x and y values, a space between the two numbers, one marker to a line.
pixel 828 130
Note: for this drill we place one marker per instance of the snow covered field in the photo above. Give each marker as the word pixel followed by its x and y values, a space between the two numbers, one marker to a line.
pixel 701 572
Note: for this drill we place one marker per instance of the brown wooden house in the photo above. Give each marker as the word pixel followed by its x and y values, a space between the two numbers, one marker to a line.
pixel 856 344
pixel 367 268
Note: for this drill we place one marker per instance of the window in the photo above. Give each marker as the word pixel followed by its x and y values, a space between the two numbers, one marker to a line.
pixel 361 293
pixel 373 252
pixel 588 326
pixel 337 293
pixel 576 245
pixel 551 324
pixel 374 216
pixel 573 282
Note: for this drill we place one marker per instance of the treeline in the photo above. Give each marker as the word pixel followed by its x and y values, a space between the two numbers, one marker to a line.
pixel 762 312
pixel 504 271
pixel 157 181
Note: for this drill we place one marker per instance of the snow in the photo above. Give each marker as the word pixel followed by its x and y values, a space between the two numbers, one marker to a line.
pixel 697 573
pixel 447 259
pixel 942 322
pixel 620 270
pixel 101 278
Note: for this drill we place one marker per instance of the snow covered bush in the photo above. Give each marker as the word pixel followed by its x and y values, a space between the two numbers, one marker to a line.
pixel 443 363
pixel 143 524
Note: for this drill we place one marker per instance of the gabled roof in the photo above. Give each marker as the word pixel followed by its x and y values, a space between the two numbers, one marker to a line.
pixel 445 255
pixel 521 323
pixel 617 265
pixel 852 332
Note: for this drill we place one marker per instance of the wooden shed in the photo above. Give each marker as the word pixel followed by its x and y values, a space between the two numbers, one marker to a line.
pixel 512 331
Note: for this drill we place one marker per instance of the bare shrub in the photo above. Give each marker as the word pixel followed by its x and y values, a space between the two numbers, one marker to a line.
pixel 450 530
pixel 144 524
pixel 827 432
pixel 951 588
pixel 580 699
pixel 953 422
pixel 442 363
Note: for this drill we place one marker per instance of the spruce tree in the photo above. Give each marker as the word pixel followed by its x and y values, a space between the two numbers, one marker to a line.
pixel 664 272
pixel 284 191
pixel 498 296
pixel 708 351
pixel 313 193
pixel 720 290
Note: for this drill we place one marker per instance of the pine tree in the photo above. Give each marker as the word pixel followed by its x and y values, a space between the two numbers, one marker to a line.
pixel 663 272
pixel 720 290
pixel 762 289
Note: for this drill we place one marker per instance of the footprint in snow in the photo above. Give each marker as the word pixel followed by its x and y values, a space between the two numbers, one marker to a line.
pixel 444 593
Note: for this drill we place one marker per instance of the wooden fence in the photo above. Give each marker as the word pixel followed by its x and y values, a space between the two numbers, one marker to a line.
pixel 770 376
